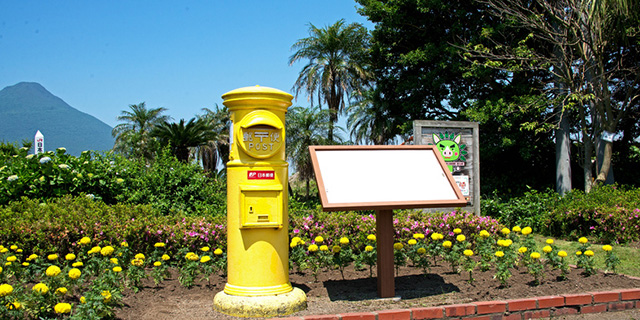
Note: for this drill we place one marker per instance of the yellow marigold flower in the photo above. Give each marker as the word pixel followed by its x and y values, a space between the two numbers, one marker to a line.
pixel 77 264
pixel 135 262
pixel 535 255
pixel 139 256
pixel 74 273
pixel 40 288
pixel 293 244
pixel 192 256
pixel 95 249
pixel 107 251
pixel 505 231
pixel 61 291
pixel 457 230
pixel 549 241
pixel 166 257
pixel 526 230
pixel 412 242
pixel 508 242
pixel 32 257
pixel 523 249
pixel 371 237
pixel 14 247
pixel 14 305
pixel 4 250
pixel 119 269
pixel 319 239
pixel 324 248
pixel 468 253
pixel 583 240
pixel 422 250
pixel 205 259
pixel 607 247
pixel 398 246
pixel 25 264
pixel 578 253
pixel 336 249
pixel 500 242
pixel 499 254
pixel 159 245
pixel 62 308
pixel 85 240
pixel 447 244
pixel 562 253
pixel 296 240
pixel 83 300
pixel 124 244
pixel 19 251
pixel 119 180
pixel 588 253
pixel 547 249
pixel 12 258
pixel 418 236
pixel 7 263
pixel 484 234
pixel 313 248
pixel 344 240
pixel 5 289
pixel 70 256
pixel 0 269
pixel 368 248
pixel 205 249
pixel 53 271
pixel 158 263
pixel 114 260
pixel 461 238
pixel 106 294
pixel 516 229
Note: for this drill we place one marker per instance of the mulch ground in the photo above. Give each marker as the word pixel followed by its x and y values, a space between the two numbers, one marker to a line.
pixel 357 292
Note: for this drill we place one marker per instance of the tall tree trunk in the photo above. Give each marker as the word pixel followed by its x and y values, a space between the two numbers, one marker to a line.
pixel 587 164
pixel 563 156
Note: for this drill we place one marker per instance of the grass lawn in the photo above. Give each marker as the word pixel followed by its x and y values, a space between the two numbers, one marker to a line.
pixel 628 255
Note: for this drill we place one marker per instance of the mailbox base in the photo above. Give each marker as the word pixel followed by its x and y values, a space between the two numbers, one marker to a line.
pixel 263 306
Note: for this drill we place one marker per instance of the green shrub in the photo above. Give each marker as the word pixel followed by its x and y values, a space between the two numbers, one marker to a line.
pixel 166 184
pixel 608 213
pixel 532 209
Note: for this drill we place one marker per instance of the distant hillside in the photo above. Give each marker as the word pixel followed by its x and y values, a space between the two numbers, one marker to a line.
pixel 28 107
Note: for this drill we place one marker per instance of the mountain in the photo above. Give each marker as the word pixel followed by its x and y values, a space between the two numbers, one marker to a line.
pixel 28 107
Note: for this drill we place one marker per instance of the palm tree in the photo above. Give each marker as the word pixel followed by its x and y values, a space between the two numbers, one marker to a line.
pixel 310 127
pixel 216 149
pixel 370 122
pixel 336 65
pixel 181 137
pixel 133 135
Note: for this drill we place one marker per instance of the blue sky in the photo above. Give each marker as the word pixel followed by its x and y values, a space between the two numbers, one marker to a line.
pixel 102 56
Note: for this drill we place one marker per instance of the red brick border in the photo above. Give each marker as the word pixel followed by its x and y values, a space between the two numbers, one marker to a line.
pixel 529 308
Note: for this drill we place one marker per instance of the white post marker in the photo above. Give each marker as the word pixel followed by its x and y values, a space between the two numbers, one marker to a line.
pixel 39 142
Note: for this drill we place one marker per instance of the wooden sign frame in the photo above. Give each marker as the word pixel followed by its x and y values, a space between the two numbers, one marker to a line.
pixel 418 165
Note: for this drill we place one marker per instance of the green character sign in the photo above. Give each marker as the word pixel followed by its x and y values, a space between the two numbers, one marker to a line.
pixel 451 149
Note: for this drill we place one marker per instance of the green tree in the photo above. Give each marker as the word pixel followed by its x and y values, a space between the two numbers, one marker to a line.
pixel 590 49
pixel 133 135
pixel 305 127
pixel 217 149
pixel 369 122
pixel 182 137
pixel 336 66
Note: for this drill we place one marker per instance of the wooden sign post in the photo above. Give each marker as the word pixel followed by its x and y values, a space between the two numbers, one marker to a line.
pixel 383 178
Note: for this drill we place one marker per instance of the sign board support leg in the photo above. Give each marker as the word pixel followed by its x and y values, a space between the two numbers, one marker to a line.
pixel 384 230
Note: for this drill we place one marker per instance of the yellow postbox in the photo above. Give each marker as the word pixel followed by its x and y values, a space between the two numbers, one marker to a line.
pixel 257 218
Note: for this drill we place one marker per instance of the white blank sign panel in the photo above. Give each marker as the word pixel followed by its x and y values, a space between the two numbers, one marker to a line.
pixel 383 177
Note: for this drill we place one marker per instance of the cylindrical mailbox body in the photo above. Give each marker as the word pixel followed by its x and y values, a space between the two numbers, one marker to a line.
pixel 257 193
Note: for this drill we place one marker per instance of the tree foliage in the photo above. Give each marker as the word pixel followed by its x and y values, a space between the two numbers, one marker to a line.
pixel 133 134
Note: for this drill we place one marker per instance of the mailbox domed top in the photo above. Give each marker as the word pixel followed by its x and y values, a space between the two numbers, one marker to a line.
pixel 257 95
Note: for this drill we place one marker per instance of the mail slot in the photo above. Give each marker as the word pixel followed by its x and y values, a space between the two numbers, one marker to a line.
pixel 261 206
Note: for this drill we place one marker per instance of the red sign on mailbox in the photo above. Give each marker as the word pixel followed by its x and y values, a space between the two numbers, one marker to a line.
pixel 261 174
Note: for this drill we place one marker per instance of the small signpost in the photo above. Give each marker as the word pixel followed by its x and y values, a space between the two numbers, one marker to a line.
pixel 39 142
pixel 383 178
